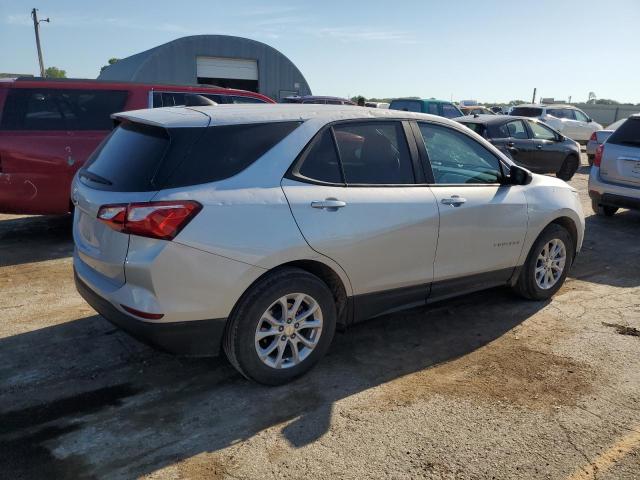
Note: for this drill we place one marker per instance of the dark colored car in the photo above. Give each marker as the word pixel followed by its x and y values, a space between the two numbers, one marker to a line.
pixel 442 108
pixel 48 129
pixel 528 142
pixel 318 100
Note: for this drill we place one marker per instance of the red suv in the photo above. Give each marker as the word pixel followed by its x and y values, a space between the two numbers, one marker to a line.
pixel 48 128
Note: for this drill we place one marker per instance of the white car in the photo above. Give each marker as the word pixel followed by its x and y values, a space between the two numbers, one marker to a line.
pixel 566 119
pixel 256 229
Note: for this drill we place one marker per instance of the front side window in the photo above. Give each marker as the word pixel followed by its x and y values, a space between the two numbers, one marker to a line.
pixel 450 111
pixel 321 162
pixel 61 109
pixel 374 153
pixel 540 132
pixel 458 159
pixel 241 99
pixel 173 99
pixel 581 117
pixel 517 130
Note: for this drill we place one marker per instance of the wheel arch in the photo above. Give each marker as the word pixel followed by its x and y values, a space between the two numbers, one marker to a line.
pixel 335 283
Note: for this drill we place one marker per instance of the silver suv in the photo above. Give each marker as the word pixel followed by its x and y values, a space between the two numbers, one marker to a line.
pixel 614 180
pixel 258 229
pixel 566 119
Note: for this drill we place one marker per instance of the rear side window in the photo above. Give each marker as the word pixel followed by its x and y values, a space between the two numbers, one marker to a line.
pixel 406 105
pixel 223 151
pixel 526 112
pixel 627 134
pixel 561 113
pixel 374 153
pixel 128 159
pixel 321 160
pixel 61 109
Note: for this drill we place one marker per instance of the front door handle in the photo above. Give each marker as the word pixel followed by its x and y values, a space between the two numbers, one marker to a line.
pixel 454 200
pixel 539 147
pixel 330 204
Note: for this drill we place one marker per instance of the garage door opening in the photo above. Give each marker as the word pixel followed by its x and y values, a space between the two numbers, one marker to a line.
pixel 228 72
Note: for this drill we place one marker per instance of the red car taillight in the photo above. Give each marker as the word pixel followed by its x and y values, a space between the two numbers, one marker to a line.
pixel 598 157
pixel 161 220
pixel 593 137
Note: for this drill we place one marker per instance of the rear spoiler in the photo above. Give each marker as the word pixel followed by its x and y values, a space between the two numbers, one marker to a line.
pixel 170 117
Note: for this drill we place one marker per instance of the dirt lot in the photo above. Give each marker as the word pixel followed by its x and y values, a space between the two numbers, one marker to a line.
pixel 487 386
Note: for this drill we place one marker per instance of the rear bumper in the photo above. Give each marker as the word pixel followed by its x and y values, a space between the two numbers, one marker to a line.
pixel 613 194
pixel 194 338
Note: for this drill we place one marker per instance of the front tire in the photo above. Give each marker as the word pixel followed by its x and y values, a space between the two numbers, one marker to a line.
pixel 568 168
pixel 603 210
pixel 281 327
pixel 547 264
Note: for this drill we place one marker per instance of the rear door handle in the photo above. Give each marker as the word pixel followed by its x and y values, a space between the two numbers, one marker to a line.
pixel 539 147
pixel 454 200
pixel 330 204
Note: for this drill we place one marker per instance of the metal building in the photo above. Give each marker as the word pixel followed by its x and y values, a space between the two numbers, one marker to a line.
pixel 222 60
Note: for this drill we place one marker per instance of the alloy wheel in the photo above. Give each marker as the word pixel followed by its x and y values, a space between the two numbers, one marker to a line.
pixel 288 331
pixel 550 263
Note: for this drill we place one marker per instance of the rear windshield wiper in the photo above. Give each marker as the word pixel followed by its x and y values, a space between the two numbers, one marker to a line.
pixel 95 178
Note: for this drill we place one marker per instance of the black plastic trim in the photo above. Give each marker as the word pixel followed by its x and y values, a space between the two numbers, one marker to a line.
pixel 472 283
pixel 619 201
pixel 193 338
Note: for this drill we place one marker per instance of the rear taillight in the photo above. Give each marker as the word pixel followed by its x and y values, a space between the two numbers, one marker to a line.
pixel 598 157
pixel 162 220
pixel 593 137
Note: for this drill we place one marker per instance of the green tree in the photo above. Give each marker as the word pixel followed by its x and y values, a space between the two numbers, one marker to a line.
pixel 606 101
pixel 515 102
pixel 55 72
pixel 110 62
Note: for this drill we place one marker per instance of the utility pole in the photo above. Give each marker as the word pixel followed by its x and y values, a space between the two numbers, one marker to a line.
pixel 534 96
pixel 36 26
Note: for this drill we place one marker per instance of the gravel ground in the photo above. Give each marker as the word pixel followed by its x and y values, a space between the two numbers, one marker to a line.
pixel 486 386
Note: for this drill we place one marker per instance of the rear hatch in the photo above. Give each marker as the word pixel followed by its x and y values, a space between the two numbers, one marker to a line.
pixel 621 154
pixel 129 166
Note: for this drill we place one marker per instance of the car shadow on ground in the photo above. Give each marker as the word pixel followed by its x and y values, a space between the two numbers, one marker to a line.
pixel 83 400
pixel 614 259
pixel 35 239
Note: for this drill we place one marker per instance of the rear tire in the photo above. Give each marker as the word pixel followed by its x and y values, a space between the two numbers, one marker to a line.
pixel 603 210
pixel 568 168
pixel 533 282
pixel 295 343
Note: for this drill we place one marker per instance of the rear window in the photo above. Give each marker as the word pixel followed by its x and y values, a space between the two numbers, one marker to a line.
pixel 526 111
pixel 476 127
pixel 627 134
pixel 138 158
pixel 61 109
pixel 128 159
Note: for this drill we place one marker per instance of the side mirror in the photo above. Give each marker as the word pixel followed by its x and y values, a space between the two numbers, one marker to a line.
pixel 519 176
pixel 589 120
pixel 560 138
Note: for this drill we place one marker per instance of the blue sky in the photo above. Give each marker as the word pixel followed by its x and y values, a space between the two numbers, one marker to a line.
pixel 490 50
